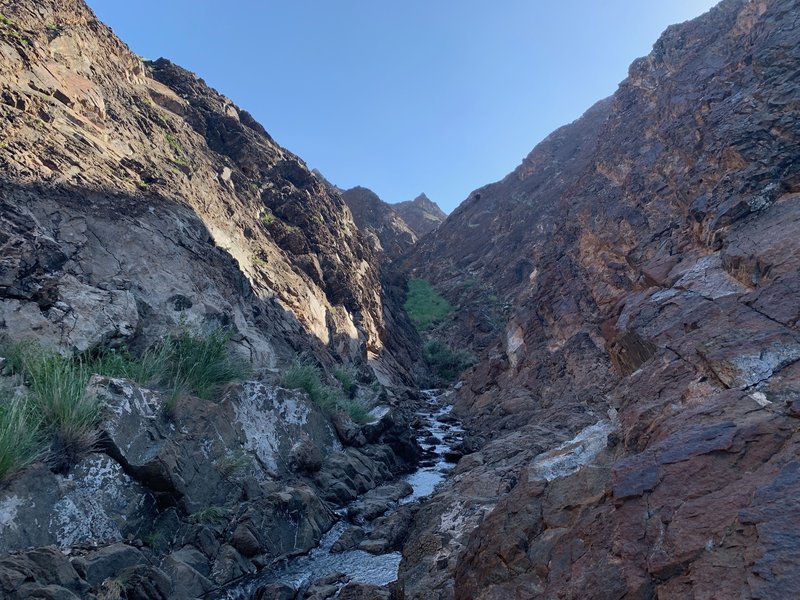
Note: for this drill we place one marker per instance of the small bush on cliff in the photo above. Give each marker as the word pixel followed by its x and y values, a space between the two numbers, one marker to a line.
pixel 201 364
pixel 308 377
pixel 58 396
pixel 445 362
pixel 345 378
pixel 424 305
pixel 19 438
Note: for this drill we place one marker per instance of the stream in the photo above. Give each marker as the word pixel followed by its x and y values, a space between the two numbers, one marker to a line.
pixel 437 432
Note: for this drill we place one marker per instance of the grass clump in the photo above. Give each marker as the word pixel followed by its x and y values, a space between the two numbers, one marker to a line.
pixel 201 364
pixel 67 415
pixel 58 396
pixel 424 305
pixel 346 380
pixel 232 465
pixel 211 516
pixel 445 362
pixel 19 436
pixel 308 377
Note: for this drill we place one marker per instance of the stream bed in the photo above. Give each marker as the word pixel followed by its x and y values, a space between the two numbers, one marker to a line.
pixel 438 432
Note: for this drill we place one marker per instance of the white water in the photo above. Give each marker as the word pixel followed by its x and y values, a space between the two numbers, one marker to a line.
pixel 358 565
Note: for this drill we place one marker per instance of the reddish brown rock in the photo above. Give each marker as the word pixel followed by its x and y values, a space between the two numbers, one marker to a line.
pixel 648 253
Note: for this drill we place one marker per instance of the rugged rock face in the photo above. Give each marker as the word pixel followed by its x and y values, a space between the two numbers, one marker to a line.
pixel 215 492
pixel 644 259
pixel 135 197
pixel 422 214
pixel 383 226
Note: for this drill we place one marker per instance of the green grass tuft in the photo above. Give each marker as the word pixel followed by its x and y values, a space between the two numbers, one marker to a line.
pixel 68 415
pixel 58 396
pixel 202 363
pixel 308 377
pixel 424 305
pixel 20 444
pixel 210 516
pixel 345 378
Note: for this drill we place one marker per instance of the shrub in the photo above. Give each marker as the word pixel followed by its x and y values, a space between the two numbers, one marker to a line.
pixel 345 378
pixel 424 305
pixel 445 362
pixel 307 377
pixel 19 439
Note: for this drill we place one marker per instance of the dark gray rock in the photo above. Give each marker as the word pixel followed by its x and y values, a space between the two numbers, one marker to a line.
pixel 275 591
pixel 187 582
pixel 377 501
pixel 109 561
pixel 230 565
pixel 348 540
pixel 145 582
pixel 46 570
pixel 363 591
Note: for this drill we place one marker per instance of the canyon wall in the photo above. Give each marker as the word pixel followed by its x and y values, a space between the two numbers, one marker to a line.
pixel 636 402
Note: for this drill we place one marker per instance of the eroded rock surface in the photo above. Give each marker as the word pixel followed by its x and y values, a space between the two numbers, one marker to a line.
pixel 135 198
pixel 642 261
pixel 384 227
pixel 421 214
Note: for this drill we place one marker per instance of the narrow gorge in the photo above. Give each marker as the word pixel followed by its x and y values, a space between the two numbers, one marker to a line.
pixel 221 376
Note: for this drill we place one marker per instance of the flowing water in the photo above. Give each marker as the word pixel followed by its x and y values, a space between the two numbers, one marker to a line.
pixel 438 432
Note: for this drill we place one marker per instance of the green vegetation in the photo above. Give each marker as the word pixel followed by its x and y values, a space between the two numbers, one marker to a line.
pixel 178 150
pixel 59 411
pixel 345 378
pixel 211 515
pixel 308 377
pixel 53 31
pixel 58 397
pixel 19 439
pixel 12 30
pixel 202 364
pixel 425 305
pixel 233 465
pixel 445 362
pixel 158 540
pixel 267 218
pixel 259 262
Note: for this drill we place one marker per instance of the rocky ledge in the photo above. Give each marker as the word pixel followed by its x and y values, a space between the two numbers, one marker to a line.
pixel 177 506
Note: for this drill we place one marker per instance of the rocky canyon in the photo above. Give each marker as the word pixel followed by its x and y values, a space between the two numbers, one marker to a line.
pixel 214 361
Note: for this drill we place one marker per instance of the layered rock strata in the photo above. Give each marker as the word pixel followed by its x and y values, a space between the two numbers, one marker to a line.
pixel 647 259
pixel 134 186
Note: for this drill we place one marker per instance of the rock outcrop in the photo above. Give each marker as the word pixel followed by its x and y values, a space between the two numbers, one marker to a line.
pixel 383 226
pixel 421 214
pixel 134 197
pixel 216 491
pixel 645 261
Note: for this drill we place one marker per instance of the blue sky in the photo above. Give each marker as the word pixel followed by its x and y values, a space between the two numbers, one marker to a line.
pixel 440 96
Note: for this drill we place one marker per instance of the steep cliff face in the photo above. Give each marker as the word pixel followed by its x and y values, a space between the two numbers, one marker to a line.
pixel 135 197
pixel 648 254
pixel 381 224
pixel 422 214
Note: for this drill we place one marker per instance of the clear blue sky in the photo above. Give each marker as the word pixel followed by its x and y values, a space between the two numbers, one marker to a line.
pixel 440 96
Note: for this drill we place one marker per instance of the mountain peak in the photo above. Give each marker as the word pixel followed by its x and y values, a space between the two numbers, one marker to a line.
pixel 422 214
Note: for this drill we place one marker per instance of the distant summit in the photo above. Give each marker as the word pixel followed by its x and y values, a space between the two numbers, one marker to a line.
pixel 422 214
pixel 385 229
